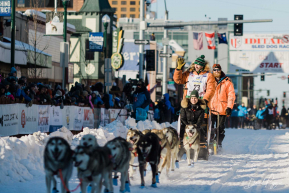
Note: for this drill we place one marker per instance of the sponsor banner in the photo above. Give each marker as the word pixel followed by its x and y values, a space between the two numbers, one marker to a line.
pixel 9 120
pixel 259 62
pixel 77 118
pixel 43 118
pixel 117 114
pixel 259 42
pixel 104 117
pixel 88 117
pixel 28 119
pixel 97 117
pixel 55 118
pixel 67 117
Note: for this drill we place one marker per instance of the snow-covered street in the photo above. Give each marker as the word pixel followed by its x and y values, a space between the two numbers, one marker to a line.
pixel 251 161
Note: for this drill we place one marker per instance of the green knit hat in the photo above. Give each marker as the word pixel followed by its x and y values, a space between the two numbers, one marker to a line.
pixel 200 61
pixel 194 93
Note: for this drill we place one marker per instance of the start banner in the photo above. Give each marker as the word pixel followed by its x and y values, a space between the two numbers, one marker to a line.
pixel 259 62
pixel 260 42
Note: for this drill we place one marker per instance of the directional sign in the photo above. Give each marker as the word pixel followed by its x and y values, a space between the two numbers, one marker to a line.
pixel 165 55
pixel 141 42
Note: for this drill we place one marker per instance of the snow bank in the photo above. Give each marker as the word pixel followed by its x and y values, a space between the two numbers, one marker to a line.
pixel 21 159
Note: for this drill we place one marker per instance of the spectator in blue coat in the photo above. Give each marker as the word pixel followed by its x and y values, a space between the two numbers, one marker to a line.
pixel 168 110
pixel 141 97
pixel 242 114
pixel 260 117
pixel 234 117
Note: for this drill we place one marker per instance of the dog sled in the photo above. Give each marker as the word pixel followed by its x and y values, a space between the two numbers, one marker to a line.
pixel 209 142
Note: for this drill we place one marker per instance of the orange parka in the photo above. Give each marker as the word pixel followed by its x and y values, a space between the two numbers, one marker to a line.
pixel 182 78
pixel 224 96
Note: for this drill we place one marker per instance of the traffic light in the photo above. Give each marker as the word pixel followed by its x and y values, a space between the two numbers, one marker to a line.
pixel 268 92
pixel 238 27
pixel 263 77
pixel 284 94
pixel 150 59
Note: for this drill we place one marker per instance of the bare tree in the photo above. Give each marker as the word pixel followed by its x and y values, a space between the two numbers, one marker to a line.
pixel 36 24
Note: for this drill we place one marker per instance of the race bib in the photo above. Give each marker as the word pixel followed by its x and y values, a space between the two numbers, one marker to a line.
pixel 198 83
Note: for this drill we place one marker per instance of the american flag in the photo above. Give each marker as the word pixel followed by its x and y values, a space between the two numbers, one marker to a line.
pixel 211 40
pixel 198 40
pixel 153 1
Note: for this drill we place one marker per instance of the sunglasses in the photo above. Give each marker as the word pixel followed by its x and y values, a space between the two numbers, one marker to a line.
pixel 218 70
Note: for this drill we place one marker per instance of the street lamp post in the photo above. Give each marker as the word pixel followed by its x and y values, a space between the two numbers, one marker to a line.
pixel 64 37
pixel 105 20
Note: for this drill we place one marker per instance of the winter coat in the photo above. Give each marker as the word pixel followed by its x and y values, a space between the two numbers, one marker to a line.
pixel 157 114
pixel 141 99
pixel 224 95
pixel 253 112
pixel 97 100
pixel 110 100
pixel 259 114
pixel 283 112
pixel 190 115
pixel 234 112
pixel 168 103
pixel 21 93
pixel 182 78
pixel 268 113
pixel 242 111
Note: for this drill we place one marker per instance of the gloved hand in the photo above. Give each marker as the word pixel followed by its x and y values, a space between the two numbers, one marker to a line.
pixel 228 111
pixel 181 63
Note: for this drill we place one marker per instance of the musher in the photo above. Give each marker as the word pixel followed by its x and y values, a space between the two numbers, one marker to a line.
pixel 196 77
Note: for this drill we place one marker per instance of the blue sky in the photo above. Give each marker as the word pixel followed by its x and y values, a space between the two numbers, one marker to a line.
pixel 195 10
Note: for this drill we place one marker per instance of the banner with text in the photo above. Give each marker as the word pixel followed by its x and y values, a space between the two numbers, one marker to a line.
pixel 9 120
pixel 88 118
pixel 43 118
pixel 259 62
pixel 55 118
pixel 260 42
pixel 28 119
pixel 78 118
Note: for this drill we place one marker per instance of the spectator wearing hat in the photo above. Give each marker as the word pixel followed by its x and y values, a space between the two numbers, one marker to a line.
pixel 96 98
pixel 223 100
pixel 43 96
pixel 12 76
pixel 192 112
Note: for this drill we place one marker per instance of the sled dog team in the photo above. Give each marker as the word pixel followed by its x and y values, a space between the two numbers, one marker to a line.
pixel 96 164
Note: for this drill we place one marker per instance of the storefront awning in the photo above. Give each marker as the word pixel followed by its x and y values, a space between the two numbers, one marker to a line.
pixel 5 54
pixel 43 59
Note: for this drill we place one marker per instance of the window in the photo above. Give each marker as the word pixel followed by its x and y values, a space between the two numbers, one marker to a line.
pixel 123 2
pixel 88 55
pixel 123 9
pixel 132 15
pixel 114 9
pixel 123 15
pixel 132 9
pixel 114 2
pixel 132 2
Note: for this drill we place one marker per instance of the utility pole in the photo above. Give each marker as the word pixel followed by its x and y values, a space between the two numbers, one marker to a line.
pixel 64 39
pixel 216 44
pixel 13 33
pixel 141 37
pixel 165 63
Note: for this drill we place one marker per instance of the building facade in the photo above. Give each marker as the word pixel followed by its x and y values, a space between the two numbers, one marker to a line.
pixel 126 8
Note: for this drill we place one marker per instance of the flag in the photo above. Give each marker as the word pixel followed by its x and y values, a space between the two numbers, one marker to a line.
pixel 222 38
pixel 198 40
pixel 153 1
pixel 211 40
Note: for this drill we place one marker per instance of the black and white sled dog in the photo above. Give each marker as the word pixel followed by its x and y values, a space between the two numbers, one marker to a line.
pixel 120 151
pixel 57 158
pixel 133 136
pixel 191 141
pixel 149 150
pixel 94 166
pixel 89 141
pixel 173 140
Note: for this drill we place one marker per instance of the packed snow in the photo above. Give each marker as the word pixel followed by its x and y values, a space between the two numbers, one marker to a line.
pixel 250 161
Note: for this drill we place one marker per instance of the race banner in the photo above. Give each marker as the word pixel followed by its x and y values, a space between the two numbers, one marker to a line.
pixel 259 62
pixel 260 42
pixel 55 118
pixel 78 118
pixel 104 117
pixel 9 120
pixel 117 114
pixel 28 119
pixel 88 118
pixel 43 118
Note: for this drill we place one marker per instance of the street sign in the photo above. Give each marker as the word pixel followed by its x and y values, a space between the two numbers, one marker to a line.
pixel 165 55
pixel 141 42
pixel 5 8
pixel 165 41
pixel 95 41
